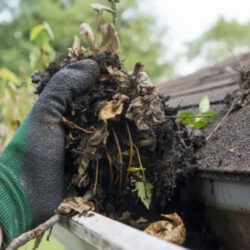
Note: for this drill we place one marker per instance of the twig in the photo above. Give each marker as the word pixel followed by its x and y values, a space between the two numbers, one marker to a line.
pixel 96 176
pixel 49 234
pixel 25 237
pixel 116 179
pixel 38 240
pixel 95 34
pixel 236 58
pixel 120 157
pixel 111 174
pixel 73 125
pixel 81 180
pixel 140 163
pixel 131 150
pixel 222 120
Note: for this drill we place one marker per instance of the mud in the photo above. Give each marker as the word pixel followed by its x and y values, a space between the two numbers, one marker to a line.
pixel 138 129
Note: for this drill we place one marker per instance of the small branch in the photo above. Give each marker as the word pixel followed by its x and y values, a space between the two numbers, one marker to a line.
pixel 140 163
pixel 222 120
pixel 96 176
pixel 73 125
pixel 25 237
pixel 131 150
pixel 96 30
pixel 38 240
pixel 111 174
pixel 120 157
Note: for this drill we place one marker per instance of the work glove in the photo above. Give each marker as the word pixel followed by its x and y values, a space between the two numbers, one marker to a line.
pixel 32 165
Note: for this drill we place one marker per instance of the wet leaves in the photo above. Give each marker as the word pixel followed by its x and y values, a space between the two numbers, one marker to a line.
pixel 136 146
pixel 113 108
pixel 172 230
pixel 116 74
pixel 74 204
pixel 76 49
pixel 110 39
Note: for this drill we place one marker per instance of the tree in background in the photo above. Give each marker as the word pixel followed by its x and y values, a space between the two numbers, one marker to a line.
pixel 217 42
pixel 140 39
pixel 37 30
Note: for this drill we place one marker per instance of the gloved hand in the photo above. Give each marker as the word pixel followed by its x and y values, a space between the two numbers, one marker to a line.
pixel 32 165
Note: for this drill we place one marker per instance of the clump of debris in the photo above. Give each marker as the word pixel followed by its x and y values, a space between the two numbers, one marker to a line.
pixel 241 96
pixel 125 150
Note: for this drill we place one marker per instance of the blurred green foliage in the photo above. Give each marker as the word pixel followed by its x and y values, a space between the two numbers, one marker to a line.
pixel 40 30
pixel 139 36
pixel 200 120
pixel 217 42
pixel 41 53
pixel 16 99
pixel 52 244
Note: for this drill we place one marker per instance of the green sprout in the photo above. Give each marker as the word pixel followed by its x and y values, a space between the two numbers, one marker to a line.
pixel 201 119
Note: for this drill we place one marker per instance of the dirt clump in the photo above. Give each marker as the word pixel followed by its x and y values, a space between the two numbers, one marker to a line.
pixel 124 150
pixel 241 96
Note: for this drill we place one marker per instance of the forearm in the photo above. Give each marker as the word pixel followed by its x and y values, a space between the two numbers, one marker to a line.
pixel 14 205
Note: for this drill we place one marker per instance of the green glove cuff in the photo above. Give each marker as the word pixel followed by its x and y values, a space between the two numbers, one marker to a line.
pixel 15 213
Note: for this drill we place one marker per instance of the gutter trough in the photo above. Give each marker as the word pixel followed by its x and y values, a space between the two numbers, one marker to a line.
pixel 226 199
pixel 94 231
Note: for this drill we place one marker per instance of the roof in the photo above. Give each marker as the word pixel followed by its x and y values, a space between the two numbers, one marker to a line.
pixel 228 149
pixel 215 81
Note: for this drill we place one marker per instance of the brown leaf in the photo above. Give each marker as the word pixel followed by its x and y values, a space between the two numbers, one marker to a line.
pixel 113 108
pixel 87 32
pixel 75 204
pixel 110 39
pixel 142 220
pixel 76 49
pixel 173 230
pixel 99 136
pixel 126 215
pixel 116 74
pixel 104 78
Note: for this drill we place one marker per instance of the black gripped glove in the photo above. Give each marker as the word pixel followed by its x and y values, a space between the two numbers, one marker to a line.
pixel 32 165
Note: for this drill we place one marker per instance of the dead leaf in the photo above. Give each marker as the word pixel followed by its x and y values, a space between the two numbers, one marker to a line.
pixel 76 49
pixel 75 204
pixel 116 74
pixel 86 32
pixel 100 136
pixel 142 220
pixel 110 39
pixel 113 108
pixel 144 86
pixel 126 215
pixel 233 149
pixel 173 231
pixel 104 78
pixel 146 111
pixel 69 140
